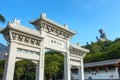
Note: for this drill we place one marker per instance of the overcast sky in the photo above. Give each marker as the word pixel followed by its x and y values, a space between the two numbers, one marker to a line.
pixel 85 17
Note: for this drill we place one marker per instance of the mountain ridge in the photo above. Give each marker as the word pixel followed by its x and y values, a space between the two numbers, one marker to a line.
pixel 3 50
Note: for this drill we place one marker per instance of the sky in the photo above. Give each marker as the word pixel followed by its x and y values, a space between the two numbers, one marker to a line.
pixel 85 17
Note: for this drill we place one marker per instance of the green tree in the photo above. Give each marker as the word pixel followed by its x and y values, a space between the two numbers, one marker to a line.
pixel 2 63
pixel 19 71
pixel 53 64
pixel 24 70
pixel 105 50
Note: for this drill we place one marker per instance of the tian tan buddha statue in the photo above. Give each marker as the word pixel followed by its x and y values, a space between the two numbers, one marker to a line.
pixel 102 36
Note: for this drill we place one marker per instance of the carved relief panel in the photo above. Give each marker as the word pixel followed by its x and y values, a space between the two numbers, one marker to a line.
pixel 55 43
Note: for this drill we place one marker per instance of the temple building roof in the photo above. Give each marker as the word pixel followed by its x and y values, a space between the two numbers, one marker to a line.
pixel 102 63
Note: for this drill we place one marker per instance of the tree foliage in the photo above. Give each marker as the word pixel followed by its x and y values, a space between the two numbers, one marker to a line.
pixel 2 65
pixel 2 19
pixel 24 70
pixel 53 65
pixel 100 51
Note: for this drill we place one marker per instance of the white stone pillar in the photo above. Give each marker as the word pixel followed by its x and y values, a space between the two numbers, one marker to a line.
pixel 40 65
pixel 40 68
pixel 67 68
pixel 81 71
pixel 10 62
pixel 37 71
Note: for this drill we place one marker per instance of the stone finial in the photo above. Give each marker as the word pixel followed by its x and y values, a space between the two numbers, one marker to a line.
pixel 66 26
pixel 43 15
pixel 16 21
pixel 78 44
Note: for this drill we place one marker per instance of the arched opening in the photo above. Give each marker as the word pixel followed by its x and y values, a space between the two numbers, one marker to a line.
pixel 25 70
pixel 54 65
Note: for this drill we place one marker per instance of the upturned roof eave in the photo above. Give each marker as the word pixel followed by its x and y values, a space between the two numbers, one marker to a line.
pixel 22 29
pixel 51 22
pixel 102 63
pixel 79 48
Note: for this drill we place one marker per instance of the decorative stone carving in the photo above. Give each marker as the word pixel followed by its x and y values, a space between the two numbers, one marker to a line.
pixel 52 27
pixel 17 21
pixel 24 51
pixel 25 39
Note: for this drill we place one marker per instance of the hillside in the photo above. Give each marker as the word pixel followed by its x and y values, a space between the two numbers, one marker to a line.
pixel 3 50
pixel 100 51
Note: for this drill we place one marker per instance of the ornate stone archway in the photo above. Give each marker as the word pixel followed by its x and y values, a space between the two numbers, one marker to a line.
pixel 25 43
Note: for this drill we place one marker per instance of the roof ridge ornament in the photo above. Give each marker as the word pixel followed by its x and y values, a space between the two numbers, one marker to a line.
pixel 17 21
pixel 78 44
pixel 66 26
pixel 43 15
